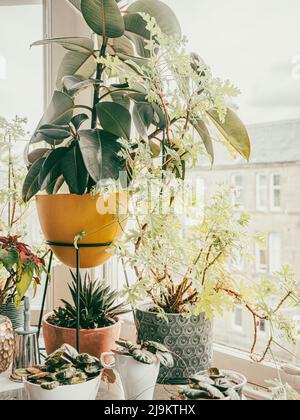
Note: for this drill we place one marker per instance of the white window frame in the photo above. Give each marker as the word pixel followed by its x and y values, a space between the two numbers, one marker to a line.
pixel 274 188
pixel 274 265
pixel 260 189
pixel 238 189
pixel 259 267
pixel 236 327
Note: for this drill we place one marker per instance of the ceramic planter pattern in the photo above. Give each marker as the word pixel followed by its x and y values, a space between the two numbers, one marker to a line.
pixel 16 315
pixel 7 342
pixel 190 338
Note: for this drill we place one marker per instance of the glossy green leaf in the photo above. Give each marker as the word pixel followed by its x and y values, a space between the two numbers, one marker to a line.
pixel 55 132
pixel 233 131
pixel 78 120
pixel 31 184
pixel 37 154
pixel 78 44
pixel 59 112
pixel 74 171
pixel 73 84
pixel 115 119
pixel 54 158
pixel 204 133
pixel 76 3
pixel 90 146
pixel 143 117
pixel 76 64
pixel 113 164
pixel 103 17
pixel 8 258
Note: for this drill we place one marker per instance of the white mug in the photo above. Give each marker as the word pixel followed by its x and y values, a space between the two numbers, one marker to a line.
pixel 138 379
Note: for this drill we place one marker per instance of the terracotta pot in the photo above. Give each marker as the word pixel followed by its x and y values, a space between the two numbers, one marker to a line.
pixel 93 342
pixel 63 216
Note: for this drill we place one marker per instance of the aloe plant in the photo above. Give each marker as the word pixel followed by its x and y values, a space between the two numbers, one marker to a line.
pixel 147 352
pixel 83 141
pixel 98 306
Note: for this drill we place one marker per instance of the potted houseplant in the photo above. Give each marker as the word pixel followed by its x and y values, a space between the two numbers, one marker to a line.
pixel 99 312
pixel 82 142
pixel 214 384
pixel 19 266
pixel 138 367
pixel 66 375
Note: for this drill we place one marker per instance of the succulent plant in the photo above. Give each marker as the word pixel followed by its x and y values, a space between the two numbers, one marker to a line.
pixel 98 306
pixel 211 385
pixel 147 352
pixel 63 367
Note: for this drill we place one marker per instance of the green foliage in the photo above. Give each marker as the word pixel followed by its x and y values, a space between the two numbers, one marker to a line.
pixel 159 86
pixel 147 352
pixel 98 306
pixel 22 268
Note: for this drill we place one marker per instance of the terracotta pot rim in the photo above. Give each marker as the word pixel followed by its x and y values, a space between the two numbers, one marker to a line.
pixel 45 321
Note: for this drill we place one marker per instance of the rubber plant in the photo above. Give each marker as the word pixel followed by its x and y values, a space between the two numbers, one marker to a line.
pixel 80 143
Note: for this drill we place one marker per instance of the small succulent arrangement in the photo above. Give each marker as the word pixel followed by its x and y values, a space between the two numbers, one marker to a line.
pixel 19 269
pixel 98 306
pixel 63 367
pixel 147 352
pixel 211 385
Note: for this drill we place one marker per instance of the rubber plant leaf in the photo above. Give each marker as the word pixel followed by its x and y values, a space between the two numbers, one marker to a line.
pixel 74 171
pixel 234 131
pixel 90 146
pixel 32 184
pixel 78 44
pixel 115 119
pixel 204 133
pixel 76 64
pixel 103 17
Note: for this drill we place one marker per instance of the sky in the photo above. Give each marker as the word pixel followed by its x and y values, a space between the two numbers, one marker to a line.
pixel 255 44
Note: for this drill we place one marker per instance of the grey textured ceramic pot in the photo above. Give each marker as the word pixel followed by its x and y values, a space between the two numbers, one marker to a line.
pixel 190 338
pixel 16 315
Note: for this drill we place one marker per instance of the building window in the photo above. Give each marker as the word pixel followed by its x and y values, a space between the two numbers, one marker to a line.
pixel 275 192
pixel 238 318
pixel 239 191
pixel 274 252
pixel 2 68
pixel 261 259
pixel 262 192
pixel 262 327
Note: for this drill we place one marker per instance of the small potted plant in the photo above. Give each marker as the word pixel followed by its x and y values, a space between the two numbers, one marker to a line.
pixel 66 375
pixel 138 367
pixel 214 384
pixel 99 322
pixel 19 269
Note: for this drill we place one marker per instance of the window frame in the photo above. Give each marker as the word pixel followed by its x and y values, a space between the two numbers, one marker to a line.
pixel 259 189
pixel 238 189
pixel 273 189
pixel 258 266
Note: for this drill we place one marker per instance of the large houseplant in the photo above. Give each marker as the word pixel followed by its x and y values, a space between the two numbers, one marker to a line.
pixel 120 64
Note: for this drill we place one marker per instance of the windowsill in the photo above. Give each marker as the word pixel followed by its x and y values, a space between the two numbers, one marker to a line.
pixel 232 359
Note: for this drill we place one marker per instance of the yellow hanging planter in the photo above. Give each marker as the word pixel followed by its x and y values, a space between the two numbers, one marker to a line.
pixel 65 216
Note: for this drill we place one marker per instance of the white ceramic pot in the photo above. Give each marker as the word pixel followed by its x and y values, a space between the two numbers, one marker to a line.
pixel 138 379
pixel 86 391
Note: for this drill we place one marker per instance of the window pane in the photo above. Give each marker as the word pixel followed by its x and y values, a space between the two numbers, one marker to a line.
pixel 273 125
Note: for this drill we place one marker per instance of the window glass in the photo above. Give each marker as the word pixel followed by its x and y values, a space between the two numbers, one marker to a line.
pixel 270 106
pixel 21 87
